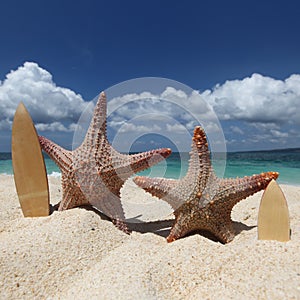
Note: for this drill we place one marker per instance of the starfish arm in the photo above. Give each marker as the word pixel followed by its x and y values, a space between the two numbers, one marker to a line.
pixel 127 165
pixel 199 163
pixel 96 133
pixel 121 225
pixel 158 187
pixel 145 160
pixel 61 156
pixel 183 223
pixel 110 204
pixel 162 188
pixel 234 190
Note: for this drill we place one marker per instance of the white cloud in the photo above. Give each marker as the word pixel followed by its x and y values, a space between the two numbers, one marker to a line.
pixel 257 99
pixel 263 136
pixel 265 126
pixel 171 103
pixel 176 127
pixel 279 134
pixel 5 124
pixel 236 129
pixel 50 106
pixel 55 126
pixel 173 113
pixel 130 127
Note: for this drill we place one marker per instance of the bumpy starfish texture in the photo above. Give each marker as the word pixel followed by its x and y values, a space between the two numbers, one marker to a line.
pixel 95 172
pixel 201 200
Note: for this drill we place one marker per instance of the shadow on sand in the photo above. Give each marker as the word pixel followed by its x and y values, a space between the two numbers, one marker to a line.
pixel 161 227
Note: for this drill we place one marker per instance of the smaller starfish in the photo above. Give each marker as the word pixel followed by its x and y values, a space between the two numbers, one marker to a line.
pixel 201 200
pixel 95 172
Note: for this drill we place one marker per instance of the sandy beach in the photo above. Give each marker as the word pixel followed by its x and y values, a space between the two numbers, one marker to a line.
pixel 76 254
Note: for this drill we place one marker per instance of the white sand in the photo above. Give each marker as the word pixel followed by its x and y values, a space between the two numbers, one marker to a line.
pixel 76 255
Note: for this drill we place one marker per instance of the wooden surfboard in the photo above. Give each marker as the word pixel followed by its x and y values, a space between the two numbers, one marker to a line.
pixel 273 215
pixel 29 166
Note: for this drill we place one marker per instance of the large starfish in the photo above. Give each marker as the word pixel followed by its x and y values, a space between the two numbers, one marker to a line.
pixel 201 200
pixel 95 172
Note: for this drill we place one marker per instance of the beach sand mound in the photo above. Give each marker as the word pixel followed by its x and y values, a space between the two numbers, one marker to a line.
pixel 77 255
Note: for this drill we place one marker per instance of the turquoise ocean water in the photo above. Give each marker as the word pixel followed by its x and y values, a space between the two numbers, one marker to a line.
pixel 238 164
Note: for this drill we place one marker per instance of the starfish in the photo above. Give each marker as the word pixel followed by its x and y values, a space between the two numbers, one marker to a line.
pixel 94 173
pixel 201 200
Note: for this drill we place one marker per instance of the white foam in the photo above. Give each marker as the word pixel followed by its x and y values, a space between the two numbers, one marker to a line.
pixel 55 174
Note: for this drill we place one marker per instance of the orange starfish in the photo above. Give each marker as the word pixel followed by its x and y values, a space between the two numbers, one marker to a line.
pixel 95 172
pixel 201 200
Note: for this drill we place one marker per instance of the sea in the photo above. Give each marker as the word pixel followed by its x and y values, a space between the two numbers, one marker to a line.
pixel 229 165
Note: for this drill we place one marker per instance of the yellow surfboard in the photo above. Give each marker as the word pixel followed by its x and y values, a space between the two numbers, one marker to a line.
pixel 273 215
pixel 29 166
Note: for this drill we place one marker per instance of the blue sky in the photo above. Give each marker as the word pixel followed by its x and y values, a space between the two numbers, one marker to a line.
pixel 242 57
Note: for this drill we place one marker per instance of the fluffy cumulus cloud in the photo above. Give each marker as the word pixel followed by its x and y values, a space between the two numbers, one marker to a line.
pixel 258 112
pixel 52 108
pixel 172 113
pixel 257 99
pixel 172 109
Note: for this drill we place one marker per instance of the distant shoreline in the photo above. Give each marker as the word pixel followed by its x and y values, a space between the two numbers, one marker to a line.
pixel 296 150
